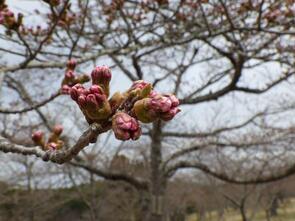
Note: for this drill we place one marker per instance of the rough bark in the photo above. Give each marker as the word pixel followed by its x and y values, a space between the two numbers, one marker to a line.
pixel 158 187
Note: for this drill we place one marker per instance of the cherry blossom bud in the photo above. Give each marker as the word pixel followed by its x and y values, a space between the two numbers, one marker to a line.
pixel 97 107
pixel 76 91
pixel 160 106
pixel 138 85
pixel 160 103
pixel 165 105
pixel 91 101
pixel 101 76
pixel 143 112
pixel 141 89
pixel 37 136
pixel 82 101
pixel 65 89
pixel 125 127
pixel 71 64
pixel 58 129
pixel 169 114
pixel 52 146
pixel 95 89
pixel 69 75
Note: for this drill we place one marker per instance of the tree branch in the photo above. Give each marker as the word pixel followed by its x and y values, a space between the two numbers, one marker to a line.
pixel 59 156
pixel 222 176
pixel 114 176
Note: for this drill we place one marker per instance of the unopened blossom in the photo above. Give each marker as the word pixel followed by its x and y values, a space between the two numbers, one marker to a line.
pixel 71 64
pixel 38 138
pixel 125 127
pixel 52 146
pixel 55 135
pixel 58 129
pixel 140 89
pixel 140 84
pixel 101 76
pixel 143 112
pixel 65 89
pixel 70 75
pixel 165 105
pixel 77 90
pixel 93 102
pixel 157 106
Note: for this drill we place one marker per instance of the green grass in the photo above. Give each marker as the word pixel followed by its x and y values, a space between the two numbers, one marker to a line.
pixel 285 213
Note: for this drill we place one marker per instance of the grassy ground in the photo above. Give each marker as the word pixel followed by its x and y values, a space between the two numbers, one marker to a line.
pixel 285 213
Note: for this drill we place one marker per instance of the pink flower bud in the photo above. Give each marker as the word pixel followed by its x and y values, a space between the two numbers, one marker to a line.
pixel 69 75
pixel 74 93
pixel 169 114
pixel 101 75
pixel 138 85
pixel 78 90
pixel 156 106
pixel 91 101
pixel 52 146
pixel 173 110
pixel 125 127
pixel 71 64
pixel 65 89
pixel 140 89
pixel 58 129
pixel 100 98
pixel 82 101
pixel 160 103
pixel 37 136
pixel 95 89
pixel 174 99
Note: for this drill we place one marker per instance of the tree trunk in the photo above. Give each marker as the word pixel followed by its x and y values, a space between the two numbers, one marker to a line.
pixel 243 213
pixel 158 184
pixel 273 211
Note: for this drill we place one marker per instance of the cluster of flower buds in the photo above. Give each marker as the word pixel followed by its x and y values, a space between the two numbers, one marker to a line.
pixel 67 17
pixel 92 102
pixel 125 127
pixel 124 110
pixel 37 31
pixel 70 79
pixel 8 19
pixel 53 142
pixel 156 106
pixel 101 76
